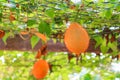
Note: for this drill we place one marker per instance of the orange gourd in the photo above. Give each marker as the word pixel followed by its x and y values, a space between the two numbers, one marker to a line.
pixel 76 38
pixel 40 69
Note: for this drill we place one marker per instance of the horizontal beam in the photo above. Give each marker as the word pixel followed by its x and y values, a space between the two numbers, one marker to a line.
pixel 17 43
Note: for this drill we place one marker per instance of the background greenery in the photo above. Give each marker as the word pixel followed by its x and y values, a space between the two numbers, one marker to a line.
pixel 15 65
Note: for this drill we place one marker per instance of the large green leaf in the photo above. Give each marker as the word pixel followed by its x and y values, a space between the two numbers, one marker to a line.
pixel 44 28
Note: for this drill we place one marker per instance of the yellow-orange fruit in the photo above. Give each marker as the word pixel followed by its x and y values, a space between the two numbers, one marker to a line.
pixel 40 69
pixel 76 38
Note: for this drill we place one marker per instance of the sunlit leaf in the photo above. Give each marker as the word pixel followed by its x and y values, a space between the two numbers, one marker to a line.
pixel 50 13
pixel 5 37
pixel 104 48
pixel 98 40
pixel 44 28
pixel 34 41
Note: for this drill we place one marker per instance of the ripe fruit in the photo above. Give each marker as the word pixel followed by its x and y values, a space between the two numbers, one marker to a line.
pixel 76 38
pixel 2 33
pixel 40 69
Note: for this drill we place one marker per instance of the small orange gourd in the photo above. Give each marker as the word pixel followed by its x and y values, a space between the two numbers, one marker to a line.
pixel 40 69
pixel 76 38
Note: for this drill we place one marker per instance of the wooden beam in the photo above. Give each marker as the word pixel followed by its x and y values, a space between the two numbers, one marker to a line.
pixel 17 43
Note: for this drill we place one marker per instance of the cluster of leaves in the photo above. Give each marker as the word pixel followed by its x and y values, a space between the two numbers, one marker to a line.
pixel 94 14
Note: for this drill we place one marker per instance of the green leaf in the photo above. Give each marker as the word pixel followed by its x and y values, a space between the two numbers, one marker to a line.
pixel 31 22
pixel 0 15
pixel 50 13
pixel 44 28
pixel 87 77
pixel 117 6
pixel 104 48
pixel 118 75
pixel 5 37
pixel 108 13
pixel 98 40
pixel 102 13
pixel 1 53
pixel 113 46
pixel 34 41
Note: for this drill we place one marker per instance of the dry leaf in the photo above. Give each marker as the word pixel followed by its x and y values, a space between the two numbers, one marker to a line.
pixel 43 37
pixel 44 49
pixel 24 32
pixel 38 54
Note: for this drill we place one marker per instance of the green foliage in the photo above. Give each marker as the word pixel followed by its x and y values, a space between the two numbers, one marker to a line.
pixel 31 22
pixel 44 28
pixel 98 40
pixel 87 77
pixel 50 13
pixel 0 15
pixel 47 16
pixel 104 48
pixel 18 65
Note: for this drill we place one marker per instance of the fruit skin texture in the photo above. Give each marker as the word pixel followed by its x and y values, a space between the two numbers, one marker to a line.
pixel 40 69
pixel 76 38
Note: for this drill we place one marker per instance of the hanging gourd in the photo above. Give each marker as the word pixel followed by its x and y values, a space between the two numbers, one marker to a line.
pixel 76 38
pixel 40 69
